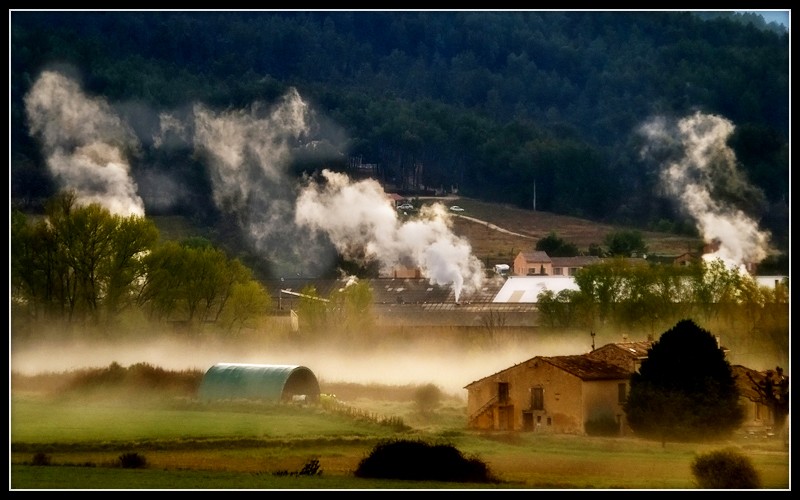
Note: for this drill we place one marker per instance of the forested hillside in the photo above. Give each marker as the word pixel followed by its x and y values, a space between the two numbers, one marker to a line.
pixel 609 116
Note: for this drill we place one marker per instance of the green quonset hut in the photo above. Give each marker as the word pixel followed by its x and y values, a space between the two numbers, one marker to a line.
pixel 276 383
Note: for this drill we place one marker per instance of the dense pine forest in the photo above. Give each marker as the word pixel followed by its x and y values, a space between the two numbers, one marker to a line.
pixel 554 111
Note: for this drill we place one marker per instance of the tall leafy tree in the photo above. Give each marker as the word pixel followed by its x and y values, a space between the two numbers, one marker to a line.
pixel 562 309
pixel 190 281
pixel 641 305
pixel 79 263
pixel 247 302
pixel 131 240
pixel 603 285
pixel 311 309
pixel 685 390
pixel 36 291
pixel 716 286
pixel 350 307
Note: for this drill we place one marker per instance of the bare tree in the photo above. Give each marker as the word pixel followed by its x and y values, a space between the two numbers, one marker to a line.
pixel 773 391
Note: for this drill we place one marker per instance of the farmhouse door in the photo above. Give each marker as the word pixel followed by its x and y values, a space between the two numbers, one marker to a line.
pixel 505 418
pixel 527 421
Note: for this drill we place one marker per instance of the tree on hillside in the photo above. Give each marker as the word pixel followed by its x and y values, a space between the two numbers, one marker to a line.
pixel 685 389
pixel 556 247
pixel 625 243
pixel 596 250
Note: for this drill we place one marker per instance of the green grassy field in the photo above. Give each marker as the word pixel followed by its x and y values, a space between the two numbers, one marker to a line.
pixel 245 445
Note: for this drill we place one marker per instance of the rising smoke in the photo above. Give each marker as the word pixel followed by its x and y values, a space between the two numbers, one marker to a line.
pixel 700 171
pixel 362 222
pixel 248 153
pixel 85 143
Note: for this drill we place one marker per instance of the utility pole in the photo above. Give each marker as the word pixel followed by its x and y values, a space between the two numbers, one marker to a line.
pixel 534 195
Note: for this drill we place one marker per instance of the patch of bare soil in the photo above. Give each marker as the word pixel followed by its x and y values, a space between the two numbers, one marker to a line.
pixel 506 230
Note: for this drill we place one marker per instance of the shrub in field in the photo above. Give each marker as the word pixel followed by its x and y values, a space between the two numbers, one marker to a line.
pixel 311 468
pixel 138 377
pixel 132 461
pixel 725 469
pixel 40 459
pixel 428 397
pixel 417 460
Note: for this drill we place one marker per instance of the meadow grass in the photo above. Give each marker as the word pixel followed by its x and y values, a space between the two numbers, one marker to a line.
pixel 38 420
pixel 62 478
pixel 245 445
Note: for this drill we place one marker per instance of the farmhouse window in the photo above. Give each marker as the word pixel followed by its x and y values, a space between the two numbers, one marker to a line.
pixel 557 271
pixel 537 398
pixel 502 392
pixel 621 392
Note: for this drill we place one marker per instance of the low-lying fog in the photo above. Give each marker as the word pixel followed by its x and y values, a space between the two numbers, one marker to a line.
pixel 417 362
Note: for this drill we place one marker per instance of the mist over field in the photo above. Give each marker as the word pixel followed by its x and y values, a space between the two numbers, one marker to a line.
pixel 448 361
pixel 446 364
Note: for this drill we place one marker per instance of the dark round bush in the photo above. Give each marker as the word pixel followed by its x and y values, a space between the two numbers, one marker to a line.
pixel 132 461
pixel 725 469
pixel 417 460
pixel 40 459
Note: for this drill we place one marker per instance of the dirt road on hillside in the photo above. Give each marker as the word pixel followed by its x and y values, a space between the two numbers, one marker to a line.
pixel 494 227
pixel 498 232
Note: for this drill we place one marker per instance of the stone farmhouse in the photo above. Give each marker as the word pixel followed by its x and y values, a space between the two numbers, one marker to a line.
pixel 759 417
pixel 564 394
pixel 557 394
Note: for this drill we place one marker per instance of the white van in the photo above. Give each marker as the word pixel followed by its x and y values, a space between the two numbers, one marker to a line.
pixel 501 269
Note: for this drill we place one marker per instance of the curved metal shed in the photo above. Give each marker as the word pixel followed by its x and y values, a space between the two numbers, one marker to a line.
pixel 263 382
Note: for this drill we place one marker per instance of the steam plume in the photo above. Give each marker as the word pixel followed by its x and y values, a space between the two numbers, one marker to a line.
pixel 701 173
pixel 249 153
pixel 84 142
pixel 361 222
